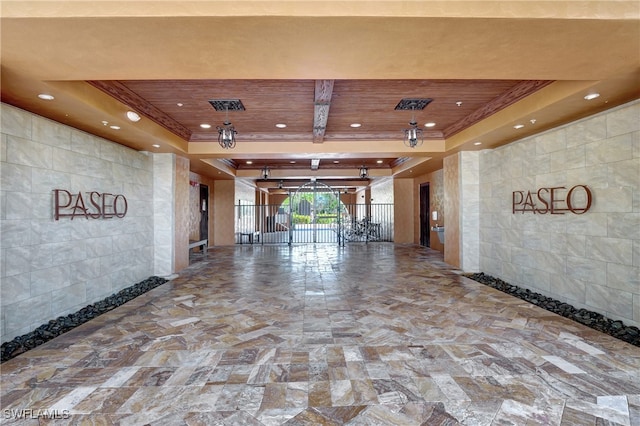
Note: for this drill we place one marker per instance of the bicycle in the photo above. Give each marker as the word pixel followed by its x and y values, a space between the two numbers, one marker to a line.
pixel 362 230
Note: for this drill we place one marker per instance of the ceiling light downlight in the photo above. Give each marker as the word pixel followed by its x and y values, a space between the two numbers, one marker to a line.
pixel 592 96
pixel 46 97
pixel 281 125
pixel 133 116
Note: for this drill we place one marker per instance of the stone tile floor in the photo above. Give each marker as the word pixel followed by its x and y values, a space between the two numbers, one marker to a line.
pixel 376 334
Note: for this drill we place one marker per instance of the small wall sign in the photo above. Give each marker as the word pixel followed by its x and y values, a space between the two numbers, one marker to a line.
pixel 92 205
pixel 552 200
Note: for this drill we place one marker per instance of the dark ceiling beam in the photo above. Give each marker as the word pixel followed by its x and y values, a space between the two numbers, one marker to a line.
pixel 513 95
pixel 122 93
pixel 321 103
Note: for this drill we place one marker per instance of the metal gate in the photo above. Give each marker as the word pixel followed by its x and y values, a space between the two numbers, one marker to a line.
pixel 313 214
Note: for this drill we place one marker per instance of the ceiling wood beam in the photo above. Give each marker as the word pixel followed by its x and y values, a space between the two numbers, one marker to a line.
pixel 516 93
pixel 321 103
pixel 125 95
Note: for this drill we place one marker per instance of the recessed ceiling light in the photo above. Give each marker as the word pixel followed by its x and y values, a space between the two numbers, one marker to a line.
pixel 133 116
pixel 379 161
pixel 155 145
pixel 281 125
pixel 431 124
pixel 179 104
pixel 477 143
pixel 592 96
pixel 105 122
pixel 292 162
pixel 459 103
pixel 355 125
pixel 532 121
pixel 336 162
pixel 115 127
pixel 249 162
pixel 205 126
pixel 46 96
pixel 518 126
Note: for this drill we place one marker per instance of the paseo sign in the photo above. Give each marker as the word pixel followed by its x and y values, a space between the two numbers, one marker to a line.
pixel 90 205
pixel 552 200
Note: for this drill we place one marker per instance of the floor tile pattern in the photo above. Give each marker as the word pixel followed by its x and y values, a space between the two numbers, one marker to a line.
pixel 376 334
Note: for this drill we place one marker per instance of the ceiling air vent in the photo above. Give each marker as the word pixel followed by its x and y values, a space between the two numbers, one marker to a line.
pixel 413 103
pixel 227 104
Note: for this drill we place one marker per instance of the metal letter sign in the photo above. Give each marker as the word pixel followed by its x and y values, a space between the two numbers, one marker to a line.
pixel 93 205
pixel 553 200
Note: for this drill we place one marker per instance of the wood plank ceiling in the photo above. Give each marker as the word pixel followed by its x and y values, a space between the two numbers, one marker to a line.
pixel 316 110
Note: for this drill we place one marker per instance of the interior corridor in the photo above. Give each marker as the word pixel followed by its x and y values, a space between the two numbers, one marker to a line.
pixel 322 335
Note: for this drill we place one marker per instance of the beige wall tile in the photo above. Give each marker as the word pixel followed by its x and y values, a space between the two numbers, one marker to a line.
pixel 15 122
pixel 29 153
pixel 610 300
pixel 616 250
pixel 43 258
pixel 616 148
pixel 623 120
pixel 49 132
pixel 589 130
pixel 623 277
pixel 572 252
pixel 451 168
pixel 566 288
pixel 552 141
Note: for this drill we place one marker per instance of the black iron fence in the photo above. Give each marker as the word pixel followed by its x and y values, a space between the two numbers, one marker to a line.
pixel 281 224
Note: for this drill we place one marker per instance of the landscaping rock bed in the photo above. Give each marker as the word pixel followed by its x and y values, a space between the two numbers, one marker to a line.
pixel 617 329
pixel 63 324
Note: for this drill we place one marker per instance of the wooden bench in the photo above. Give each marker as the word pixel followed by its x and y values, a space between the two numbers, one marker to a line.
pixel 201 243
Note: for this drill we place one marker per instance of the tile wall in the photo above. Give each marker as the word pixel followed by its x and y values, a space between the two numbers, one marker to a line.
pixel 590 260
pixel 469 222
pixel 51 268
pixel 452 209
pixel 164 172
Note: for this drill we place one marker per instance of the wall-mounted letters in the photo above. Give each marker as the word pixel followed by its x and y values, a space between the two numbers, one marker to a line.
pixel 553 200
pixel 92 205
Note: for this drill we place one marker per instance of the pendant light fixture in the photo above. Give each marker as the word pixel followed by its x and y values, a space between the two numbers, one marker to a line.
pixel 413 136
pixel 227 132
